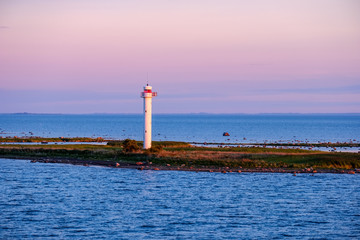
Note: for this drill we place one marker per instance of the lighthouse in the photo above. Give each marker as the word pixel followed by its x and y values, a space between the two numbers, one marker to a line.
pixel 147 94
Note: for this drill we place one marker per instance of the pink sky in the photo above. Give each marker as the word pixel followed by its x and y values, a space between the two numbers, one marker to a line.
pixel 202 56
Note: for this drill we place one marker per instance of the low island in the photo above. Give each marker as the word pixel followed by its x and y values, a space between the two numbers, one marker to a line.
pixel 170 155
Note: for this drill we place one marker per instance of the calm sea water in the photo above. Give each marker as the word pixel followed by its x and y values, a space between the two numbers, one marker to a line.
pixel 55 201
pixel 189 127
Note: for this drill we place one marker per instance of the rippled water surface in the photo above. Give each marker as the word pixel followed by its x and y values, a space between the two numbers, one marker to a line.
pixel 39 200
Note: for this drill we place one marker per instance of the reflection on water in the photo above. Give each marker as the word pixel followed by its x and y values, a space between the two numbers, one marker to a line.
pixel 64 201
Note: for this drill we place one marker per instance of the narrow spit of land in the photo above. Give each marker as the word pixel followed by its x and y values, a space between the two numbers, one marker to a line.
pixel 180 156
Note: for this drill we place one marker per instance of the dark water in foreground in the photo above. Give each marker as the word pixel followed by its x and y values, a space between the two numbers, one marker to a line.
pixel 39 200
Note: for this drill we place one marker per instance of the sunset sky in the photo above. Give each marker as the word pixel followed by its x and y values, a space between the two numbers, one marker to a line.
pixel 229 56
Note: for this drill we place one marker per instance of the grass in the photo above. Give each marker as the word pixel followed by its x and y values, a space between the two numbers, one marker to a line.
pixel 171 144
pixel 244 149
pixel 182 154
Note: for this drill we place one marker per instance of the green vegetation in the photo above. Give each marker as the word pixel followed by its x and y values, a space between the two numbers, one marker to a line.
pixel 154 143
pixel 156 148
pixel 129 145
pixel 183 155
pixel 252 149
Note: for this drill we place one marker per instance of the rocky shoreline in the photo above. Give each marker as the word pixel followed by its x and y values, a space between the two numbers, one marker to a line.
pixel 181 156
pixel 143 166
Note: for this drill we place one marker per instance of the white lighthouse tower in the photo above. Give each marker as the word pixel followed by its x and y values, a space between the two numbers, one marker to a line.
pixel 147 94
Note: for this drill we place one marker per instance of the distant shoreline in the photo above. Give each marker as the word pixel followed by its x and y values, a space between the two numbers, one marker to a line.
pixel 194 113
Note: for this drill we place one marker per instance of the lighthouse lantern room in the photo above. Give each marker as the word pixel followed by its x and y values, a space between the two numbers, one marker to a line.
pixel 147 94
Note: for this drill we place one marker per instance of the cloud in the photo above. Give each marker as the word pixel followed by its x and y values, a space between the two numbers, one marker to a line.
pixel 3 27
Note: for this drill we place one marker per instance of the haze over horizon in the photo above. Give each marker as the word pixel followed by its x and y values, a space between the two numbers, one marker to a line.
pixel 259 56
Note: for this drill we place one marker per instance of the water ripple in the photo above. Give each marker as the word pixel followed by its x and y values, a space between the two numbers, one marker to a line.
pixel 55 201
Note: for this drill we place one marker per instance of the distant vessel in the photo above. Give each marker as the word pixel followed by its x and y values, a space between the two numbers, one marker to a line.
pixel 147 94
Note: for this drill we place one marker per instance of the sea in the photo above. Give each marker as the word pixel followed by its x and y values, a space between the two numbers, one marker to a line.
pixel 59 201
pixel 243 128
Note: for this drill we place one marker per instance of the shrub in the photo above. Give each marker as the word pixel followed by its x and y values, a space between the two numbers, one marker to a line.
pixel 153 149
pixel 156 149
pixel 130 145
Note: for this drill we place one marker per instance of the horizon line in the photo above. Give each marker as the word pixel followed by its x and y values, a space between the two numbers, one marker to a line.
pixel 198 113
